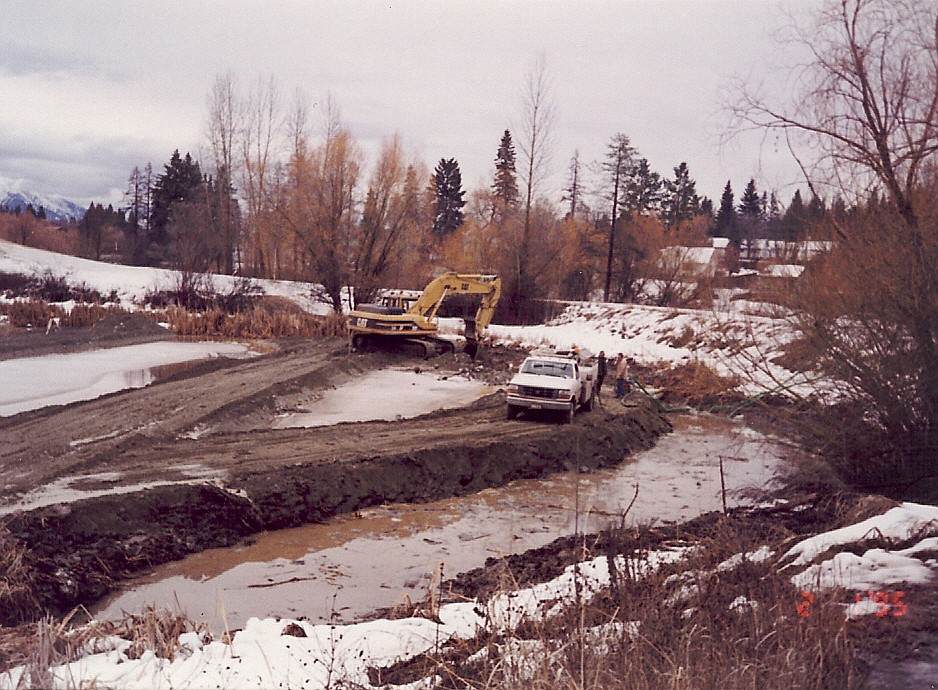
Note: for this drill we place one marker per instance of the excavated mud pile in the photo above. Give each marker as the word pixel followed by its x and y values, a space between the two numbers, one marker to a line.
pixel 261 478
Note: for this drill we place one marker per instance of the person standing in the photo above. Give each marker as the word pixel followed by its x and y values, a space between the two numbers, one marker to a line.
pixel 600 374
pixel 622 375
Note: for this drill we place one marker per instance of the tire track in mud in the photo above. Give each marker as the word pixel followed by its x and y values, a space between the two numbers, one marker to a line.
pixel 272 479
pixel 41 446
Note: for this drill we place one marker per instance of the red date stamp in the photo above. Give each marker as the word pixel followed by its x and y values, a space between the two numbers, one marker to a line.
pixel 886 603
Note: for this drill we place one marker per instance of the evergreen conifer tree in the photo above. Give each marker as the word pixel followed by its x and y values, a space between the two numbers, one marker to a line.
pixel 643 190
pixel 750 205
pixel 727 223
pixel 181 182
pixel 449 197
pixel 505 186
pixel 681 201
pixel 794 220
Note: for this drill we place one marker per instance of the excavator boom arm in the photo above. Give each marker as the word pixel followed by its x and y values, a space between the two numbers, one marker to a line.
pixel 489 286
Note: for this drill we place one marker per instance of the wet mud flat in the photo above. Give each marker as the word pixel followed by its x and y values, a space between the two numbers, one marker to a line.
pixel 80 551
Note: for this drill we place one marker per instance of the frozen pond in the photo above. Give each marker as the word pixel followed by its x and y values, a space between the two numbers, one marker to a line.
pixel 30 383
pixel 349 567
pixel 370 398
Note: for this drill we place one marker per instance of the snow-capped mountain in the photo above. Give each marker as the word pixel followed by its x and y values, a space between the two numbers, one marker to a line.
pixel 57 208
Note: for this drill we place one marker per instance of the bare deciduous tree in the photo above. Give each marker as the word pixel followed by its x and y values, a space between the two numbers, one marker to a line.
pixel 318 206
pixel 866 101
pixel 534 149
pixel 222 126
pixel 389 208
pixel 865 106
pixel 259 133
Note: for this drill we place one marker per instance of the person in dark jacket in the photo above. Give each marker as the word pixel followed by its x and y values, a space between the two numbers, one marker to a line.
pixel 600 374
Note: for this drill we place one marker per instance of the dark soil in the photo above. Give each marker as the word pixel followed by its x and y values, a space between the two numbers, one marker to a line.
pixel 266 478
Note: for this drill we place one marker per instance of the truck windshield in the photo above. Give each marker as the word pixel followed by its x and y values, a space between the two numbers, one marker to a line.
pixel 562 369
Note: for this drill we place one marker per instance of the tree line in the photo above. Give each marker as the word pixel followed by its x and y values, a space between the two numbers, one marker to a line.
pixel 273 198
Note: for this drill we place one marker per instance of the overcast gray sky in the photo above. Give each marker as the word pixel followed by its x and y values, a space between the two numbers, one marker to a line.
pixel 92 88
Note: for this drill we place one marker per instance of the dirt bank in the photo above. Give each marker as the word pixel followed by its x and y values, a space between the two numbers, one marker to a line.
pixel 214 421
pixel 118 329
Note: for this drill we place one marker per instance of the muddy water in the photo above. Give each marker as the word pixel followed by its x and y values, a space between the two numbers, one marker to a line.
pixel 355 564
pixel 31 383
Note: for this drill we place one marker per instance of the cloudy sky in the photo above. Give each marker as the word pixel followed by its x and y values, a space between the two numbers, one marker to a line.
pixel 93 88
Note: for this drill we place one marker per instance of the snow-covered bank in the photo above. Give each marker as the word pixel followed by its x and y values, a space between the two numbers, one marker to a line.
pixel 734 344
pixel 840 559
pixel 132 283
pixel 288 653
pixel 273 653
pixel 30 383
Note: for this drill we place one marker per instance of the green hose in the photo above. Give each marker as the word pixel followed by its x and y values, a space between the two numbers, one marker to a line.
pixel 734 408
pixel 658 403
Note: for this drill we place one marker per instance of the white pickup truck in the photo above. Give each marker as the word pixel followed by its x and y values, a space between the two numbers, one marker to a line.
pixel 558 381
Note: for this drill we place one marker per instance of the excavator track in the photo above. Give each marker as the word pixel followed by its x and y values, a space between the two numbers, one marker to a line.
pixel 415 347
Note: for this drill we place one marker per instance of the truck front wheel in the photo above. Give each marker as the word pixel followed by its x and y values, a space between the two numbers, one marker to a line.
pixel 570 413
pixel 511 412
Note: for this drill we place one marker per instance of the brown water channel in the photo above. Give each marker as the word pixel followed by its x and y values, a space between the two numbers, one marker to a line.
pixel 353 565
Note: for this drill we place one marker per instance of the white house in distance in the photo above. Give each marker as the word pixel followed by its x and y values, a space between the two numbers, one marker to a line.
pixel 771 259
pixel 690 262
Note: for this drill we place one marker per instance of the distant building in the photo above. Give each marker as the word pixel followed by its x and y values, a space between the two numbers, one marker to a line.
pixel 690 262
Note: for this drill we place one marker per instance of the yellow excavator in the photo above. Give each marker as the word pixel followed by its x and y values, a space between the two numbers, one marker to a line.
pixel 403 321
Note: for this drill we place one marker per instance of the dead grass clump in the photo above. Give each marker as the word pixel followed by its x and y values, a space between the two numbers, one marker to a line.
pixel 30 314
pixel 57 642
pixel 695 384
pixel 156 630
pixel 798 355
pixel 17 586
pixel 36 314
pixel 708 621
pixel 86 315
pixel 255 323
pixel 687 338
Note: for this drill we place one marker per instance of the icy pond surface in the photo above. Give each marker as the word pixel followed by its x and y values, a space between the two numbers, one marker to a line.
pixel 385 394
pixel 30 383
pixel 346 569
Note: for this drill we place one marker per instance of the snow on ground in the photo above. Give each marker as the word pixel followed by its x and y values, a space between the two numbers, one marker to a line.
pixel 877 568
pixel 30 383
pixel 265 655
pixel 732 343
pixel 132 283
pixel 366 398
pixel 783 270
pixel 730 339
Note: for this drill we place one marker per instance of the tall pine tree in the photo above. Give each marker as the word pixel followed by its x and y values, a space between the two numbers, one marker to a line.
pixel 751 215
pixel 727 223
pixel 505 187
pixel 642 192
pixel 681 201
pixel 447 182
pixel 750 205
pixel 180 182
pixel 794 221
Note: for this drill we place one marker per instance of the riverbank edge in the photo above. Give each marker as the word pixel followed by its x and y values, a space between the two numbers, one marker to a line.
pixel 76 553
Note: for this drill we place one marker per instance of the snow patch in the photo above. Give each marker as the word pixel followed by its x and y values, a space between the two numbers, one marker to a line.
pixel 367 398
pixel 31 383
